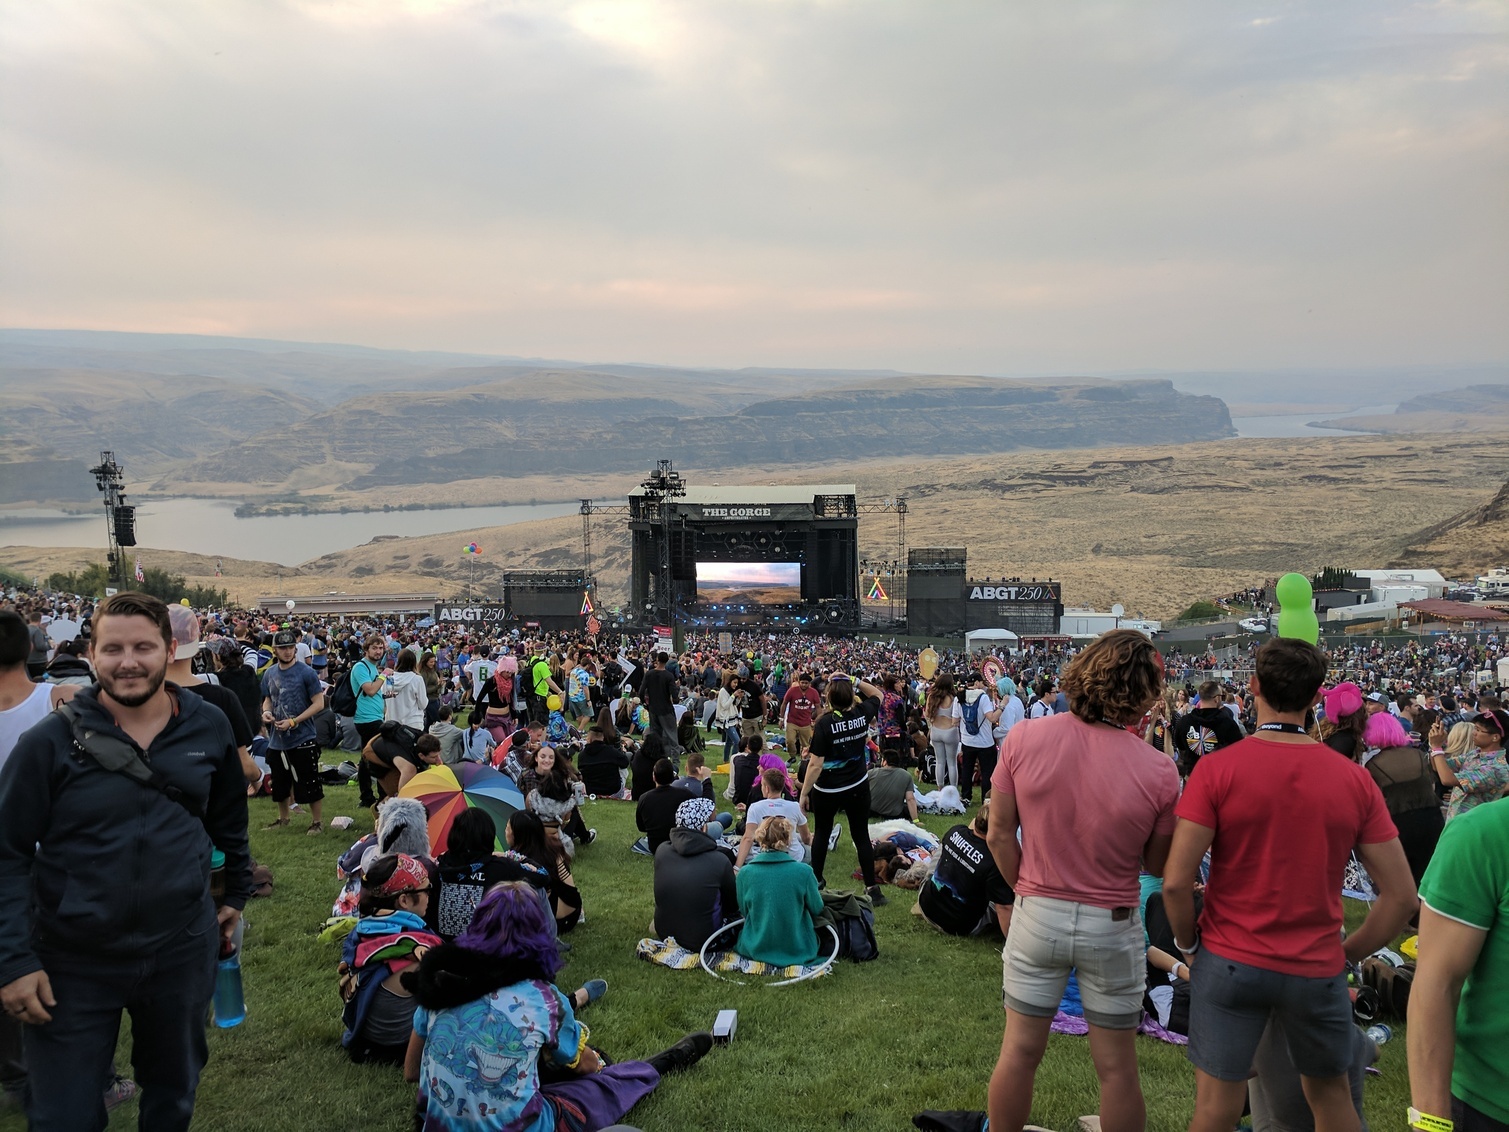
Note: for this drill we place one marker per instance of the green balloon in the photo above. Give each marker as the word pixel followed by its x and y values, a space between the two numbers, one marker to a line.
pixel 1296 617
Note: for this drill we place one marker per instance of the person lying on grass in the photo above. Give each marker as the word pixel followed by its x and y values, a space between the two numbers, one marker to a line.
pixel 490 1028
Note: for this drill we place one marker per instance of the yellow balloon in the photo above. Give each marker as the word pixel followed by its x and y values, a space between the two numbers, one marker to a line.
pixel 927 662
pixel 183 601
pixel 553 703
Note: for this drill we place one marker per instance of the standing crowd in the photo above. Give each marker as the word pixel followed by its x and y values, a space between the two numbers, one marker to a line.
pixel 1120 802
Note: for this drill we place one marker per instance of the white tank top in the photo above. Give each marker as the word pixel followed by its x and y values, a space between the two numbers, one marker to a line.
pixel 24 716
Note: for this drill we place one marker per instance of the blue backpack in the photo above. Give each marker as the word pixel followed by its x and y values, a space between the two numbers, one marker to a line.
pixel 972 716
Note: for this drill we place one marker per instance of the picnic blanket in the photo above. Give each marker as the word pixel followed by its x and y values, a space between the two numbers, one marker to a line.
pixel 1070 1019
pixel 668 953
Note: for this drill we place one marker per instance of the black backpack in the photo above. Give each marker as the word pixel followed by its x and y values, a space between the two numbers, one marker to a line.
pixel 343 696
pixel 853 918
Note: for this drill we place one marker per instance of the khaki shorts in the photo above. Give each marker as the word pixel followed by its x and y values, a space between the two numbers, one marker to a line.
pixel 798 739
pixel 748 728
pixel 1049 938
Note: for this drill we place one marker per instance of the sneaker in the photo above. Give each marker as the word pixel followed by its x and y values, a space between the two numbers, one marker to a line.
pixel 833 837
pixel 119 1091
pixel 877 897
pixel 279 823
pixel 683 1055
pixel 591 836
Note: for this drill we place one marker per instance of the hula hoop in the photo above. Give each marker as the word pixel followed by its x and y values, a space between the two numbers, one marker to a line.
pixel 820 969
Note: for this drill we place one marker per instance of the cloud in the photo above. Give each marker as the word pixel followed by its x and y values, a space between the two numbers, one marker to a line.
pixel 918 185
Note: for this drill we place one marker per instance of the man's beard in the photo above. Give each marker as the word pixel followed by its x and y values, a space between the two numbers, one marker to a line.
pixel 136 699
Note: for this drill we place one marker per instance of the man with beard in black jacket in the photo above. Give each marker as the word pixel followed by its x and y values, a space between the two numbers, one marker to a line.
pixel 106 878
pixel 1204 729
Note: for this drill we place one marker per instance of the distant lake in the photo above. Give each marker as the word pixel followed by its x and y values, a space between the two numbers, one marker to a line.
pixel 210 526
pixel 1298 424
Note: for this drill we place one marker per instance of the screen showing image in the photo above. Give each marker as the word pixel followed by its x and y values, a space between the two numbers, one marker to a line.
pixel 749 583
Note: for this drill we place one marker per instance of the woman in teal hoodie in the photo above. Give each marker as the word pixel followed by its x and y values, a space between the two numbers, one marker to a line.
pixel 779 898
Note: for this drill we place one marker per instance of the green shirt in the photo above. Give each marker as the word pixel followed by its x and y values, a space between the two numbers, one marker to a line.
pixel 1468 881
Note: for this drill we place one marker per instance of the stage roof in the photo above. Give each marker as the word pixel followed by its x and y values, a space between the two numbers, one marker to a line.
pixel 745 496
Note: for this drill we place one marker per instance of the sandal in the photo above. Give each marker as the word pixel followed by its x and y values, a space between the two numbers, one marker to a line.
pixel 279 824
pixel 316 828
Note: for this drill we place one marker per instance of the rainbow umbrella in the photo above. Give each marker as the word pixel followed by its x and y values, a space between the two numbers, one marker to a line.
pixel 447 790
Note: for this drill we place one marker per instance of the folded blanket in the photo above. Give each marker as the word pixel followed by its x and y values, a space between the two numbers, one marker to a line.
pixel 668 953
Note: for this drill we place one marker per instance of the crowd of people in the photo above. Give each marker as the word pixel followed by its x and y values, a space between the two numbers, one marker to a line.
pixel 1124 791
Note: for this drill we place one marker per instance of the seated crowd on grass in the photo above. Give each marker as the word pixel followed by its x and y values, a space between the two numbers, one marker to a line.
pixel 1141 836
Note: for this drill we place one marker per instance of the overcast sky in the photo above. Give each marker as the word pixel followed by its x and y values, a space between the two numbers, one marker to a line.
pixel 1026 187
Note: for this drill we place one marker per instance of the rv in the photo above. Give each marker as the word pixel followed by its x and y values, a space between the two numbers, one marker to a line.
pixel 1495 583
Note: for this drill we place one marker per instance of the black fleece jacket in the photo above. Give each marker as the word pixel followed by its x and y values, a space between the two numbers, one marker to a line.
pixel 92 862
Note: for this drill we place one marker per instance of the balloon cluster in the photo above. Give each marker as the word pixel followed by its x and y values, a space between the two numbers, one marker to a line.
pixel 471 548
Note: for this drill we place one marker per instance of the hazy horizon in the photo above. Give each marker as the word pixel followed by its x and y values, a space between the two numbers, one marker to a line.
pixel 924 187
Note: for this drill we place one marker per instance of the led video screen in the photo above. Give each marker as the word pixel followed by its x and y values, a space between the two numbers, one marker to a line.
pixel 749 583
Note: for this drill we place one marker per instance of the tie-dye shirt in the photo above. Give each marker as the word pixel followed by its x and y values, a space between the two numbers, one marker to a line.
pixel 480 1069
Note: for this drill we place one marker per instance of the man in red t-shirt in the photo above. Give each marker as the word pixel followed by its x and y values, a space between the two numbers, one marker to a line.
pixel 798 707
pixel 1280 814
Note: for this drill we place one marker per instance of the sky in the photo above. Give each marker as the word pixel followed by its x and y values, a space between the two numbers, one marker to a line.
pixel 750 573
pixel 922 185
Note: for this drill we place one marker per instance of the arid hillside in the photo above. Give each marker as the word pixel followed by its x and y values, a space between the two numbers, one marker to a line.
pixel 1151 527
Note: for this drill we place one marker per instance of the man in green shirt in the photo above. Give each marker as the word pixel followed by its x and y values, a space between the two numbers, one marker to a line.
pixel 1461 1079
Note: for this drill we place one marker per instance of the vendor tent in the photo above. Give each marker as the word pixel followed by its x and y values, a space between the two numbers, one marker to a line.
pixel 988 640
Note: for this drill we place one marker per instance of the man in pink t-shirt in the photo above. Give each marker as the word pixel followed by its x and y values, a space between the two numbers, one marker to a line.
pixel 1280 814
pixel 1095 805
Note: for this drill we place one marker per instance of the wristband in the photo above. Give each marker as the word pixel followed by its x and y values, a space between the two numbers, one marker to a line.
pixel 1192 948
pixel 1427 1123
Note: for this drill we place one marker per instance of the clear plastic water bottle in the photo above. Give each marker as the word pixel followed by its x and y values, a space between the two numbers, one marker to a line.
pixel 1380 1033
pixel 229 1003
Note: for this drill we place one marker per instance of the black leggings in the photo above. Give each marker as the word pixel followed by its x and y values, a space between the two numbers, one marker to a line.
pixel 855 805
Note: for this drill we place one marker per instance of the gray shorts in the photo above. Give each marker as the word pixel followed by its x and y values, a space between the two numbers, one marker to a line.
pixel 1230 1004
pixel 1049 938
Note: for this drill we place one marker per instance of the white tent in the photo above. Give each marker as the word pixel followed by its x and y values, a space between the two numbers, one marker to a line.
pixel 985 640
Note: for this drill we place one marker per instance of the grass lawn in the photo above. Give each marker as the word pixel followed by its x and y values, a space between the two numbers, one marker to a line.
pixel 863 1048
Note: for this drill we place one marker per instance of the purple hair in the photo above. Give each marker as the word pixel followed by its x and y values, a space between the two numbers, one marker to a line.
pixel 1383 730
pixel 512 922
pixel 775 762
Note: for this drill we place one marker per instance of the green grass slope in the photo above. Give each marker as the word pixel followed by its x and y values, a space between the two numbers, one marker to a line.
pixel 864 1048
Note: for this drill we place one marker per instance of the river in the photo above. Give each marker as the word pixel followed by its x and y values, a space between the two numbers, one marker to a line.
pixel 1298 424
pixel 210 526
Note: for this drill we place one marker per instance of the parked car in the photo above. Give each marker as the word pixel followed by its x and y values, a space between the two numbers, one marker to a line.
pixel 1254 624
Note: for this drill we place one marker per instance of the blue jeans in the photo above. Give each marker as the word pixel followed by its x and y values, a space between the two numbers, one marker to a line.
pixel 167 994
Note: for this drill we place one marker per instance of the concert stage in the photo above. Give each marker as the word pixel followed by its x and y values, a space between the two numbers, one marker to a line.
pixel 784 556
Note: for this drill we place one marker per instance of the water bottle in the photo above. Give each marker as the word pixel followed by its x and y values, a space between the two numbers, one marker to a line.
pixel 229 1003
pixel 1380 1033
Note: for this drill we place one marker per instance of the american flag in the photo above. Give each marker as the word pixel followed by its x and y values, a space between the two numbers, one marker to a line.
pixel 140 577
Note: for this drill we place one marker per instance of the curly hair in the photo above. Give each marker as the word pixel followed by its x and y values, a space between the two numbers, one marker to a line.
pixel 1114 679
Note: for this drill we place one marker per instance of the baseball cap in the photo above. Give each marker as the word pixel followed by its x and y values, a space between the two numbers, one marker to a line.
pixel 285 639
pixel 1378 697
pixel 185 622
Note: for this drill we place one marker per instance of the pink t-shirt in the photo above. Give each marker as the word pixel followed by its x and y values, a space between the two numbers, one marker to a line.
pixel 1088 797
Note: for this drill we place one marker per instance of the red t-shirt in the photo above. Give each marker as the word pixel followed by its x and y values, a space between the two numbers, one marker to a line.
pixel 1286 816
pixel 1088 797
pixel 800 703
